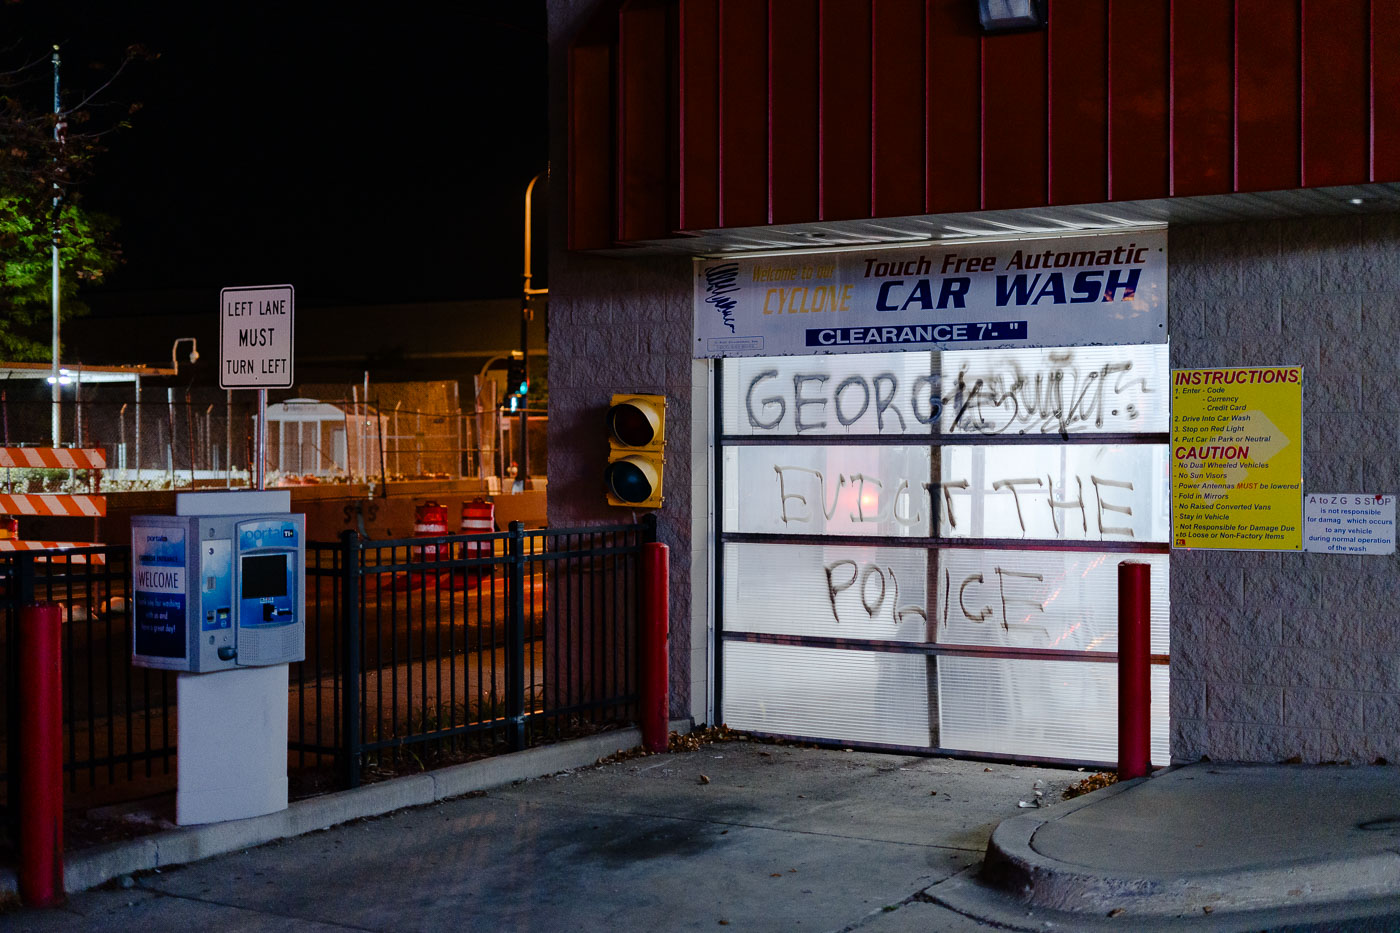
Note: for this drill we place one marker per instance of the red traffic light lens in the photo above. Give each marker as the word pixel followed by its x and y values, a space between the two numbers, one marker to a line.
pixel 630 425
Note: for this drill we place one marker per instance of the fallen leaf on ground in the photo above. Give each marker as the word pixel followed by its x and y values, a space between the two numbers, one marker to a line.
pixel 1092 782
pixel 704 779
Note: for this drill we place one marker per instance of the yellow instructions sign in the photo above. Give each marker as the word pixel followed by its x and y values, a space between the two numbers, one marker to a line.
pixel 1237 458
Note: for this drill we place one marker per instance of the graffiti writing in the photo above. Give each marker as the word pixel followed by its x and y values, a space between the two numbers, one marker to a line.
pixel 1010 599
pixel 1061 396
pixel 905 503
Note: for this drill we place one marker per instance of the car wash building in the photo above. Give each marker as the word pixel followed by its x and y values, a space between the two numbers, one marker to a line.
pixel 952 316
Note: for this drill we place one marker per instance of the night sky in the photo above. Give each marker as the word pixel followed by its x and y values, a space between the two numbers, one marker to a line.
pixel 364 153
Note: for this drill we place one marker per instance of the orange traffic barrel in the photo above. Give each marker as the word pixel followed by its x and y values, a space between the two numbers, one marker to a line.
pixel 478 517
pixel 430 521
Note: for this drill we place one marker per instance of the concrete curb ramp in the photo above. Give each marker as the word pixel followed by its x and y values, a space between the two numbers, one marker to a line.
pixel 91 867
pixel 1019 881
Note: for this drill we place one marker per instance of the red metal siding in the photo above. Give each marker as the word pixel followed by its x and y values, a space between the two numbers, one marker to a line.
pixel 1138 73
pixel 845 109
pixel 743 113
pixel 953 129
pixel 898 128
pixel 1078 102
pixel 590 147
pixel 699 117
pixel 644 191
pixel 1203 79
pixel 1015 147
pixel 1385 91
pixel 1267 95
pixel 1336 87
pixel 794 145
pixel 795 111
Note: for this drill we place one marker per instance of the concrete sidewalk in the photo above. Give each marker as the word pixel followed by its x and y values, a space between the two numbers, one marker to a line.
pixel 744 836
pixel 734 835
pixel 1210 845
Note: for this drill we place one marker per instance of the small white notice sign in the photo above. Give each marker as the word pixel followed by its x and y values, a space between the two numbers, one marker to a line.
pixel 1349 523
pixel 255 337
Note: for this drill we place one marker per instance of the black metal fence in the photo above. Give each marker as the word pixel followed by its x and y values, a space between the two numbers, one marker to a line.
pixel 119 722
pixel 419 651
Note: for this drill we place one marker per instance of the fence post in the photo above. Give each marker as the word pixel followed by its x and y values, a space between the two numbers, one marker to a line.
pixel 654 642
pixel 21 594
pixel 1134 673
pixel 41 770
pixel 515 645
pixel 350 551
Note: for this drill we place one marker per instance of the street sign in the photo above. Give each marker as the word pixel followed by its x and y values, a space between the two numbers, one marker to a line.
pixel 255 337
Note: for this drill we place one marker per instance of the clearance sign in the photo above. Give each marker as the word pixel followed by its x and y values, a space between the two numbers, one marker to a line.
pixel 1237 458
pixel 1050 292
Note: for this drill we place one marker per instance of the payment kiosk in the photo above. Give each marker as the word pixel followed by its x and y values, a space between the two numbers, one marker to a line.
pixel 218 593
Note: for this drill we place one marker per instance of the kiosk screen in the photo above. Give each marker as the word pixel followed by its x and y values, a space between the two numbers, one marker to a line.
pixel 264 576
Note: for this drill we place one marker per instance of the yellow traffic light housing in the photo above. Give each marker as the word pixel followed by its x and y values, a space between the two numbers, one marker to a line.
pixel 637 450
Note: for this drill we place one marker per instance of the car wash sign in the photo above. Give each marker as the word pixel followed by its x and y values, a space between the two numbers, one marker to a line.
pixel 1053 292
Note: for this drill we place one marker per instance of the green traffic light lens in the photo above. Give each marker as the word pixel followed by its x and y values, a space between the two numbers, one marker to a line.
pixel 628 482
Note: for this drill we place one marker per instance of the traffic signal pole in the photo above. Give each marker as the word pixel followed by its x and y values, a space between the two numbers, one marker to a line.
pixel 524 473
pixel 526 313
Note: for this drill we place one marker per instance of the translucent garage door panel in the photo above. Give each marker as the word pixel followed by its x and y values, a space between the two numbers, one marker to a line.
pixel 1081 492
pixel 1052 709
pixel 831 591
pixel 821 693
pixel 828 490
pixel 1065 600
pixel 1078 492
pixel 1076 390
pixel 865 393
pixel 1071 390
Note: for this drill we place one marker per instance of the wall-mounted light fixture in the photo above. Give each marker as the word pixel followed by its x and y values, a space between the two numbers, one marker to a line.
pixel 1006 15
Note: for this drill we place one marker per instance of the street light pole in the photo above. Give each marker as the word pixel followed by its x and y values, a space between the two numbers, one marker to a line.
pixel 56 391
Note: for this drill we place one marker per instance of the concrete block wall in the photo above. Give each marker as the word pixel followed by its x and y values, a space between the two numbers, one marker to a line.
pixel 1276 656
pixel 616 325
pixel 624 326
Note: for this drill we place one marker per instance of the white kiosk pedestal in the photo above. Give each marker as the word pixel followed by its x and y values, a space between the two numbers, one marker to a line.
pixel 232 752
pixel 233 744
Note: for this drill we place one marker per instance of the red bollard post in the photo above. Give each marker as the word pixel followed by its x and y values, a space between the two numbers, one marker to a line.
pixel 41 754
pixel 655 650
pixel 1134 673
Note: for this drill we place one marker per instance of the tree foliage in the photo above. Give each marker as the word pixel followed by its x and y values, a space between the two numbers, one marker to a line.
pixel 87 251
pixel 44 158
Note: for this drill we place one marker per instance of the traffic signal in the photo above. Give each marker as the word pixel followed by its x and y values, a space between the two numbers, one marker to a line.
pixel 517 383
pixel 637 450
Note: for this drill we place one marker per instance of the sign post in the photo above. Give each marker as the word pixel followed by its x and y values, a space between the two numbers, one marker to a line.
pixel 256 350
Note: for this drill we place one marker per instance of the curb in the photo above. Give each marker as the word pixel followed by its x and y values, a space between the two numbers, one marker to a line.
pixel 91 867
pixel 1013 869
